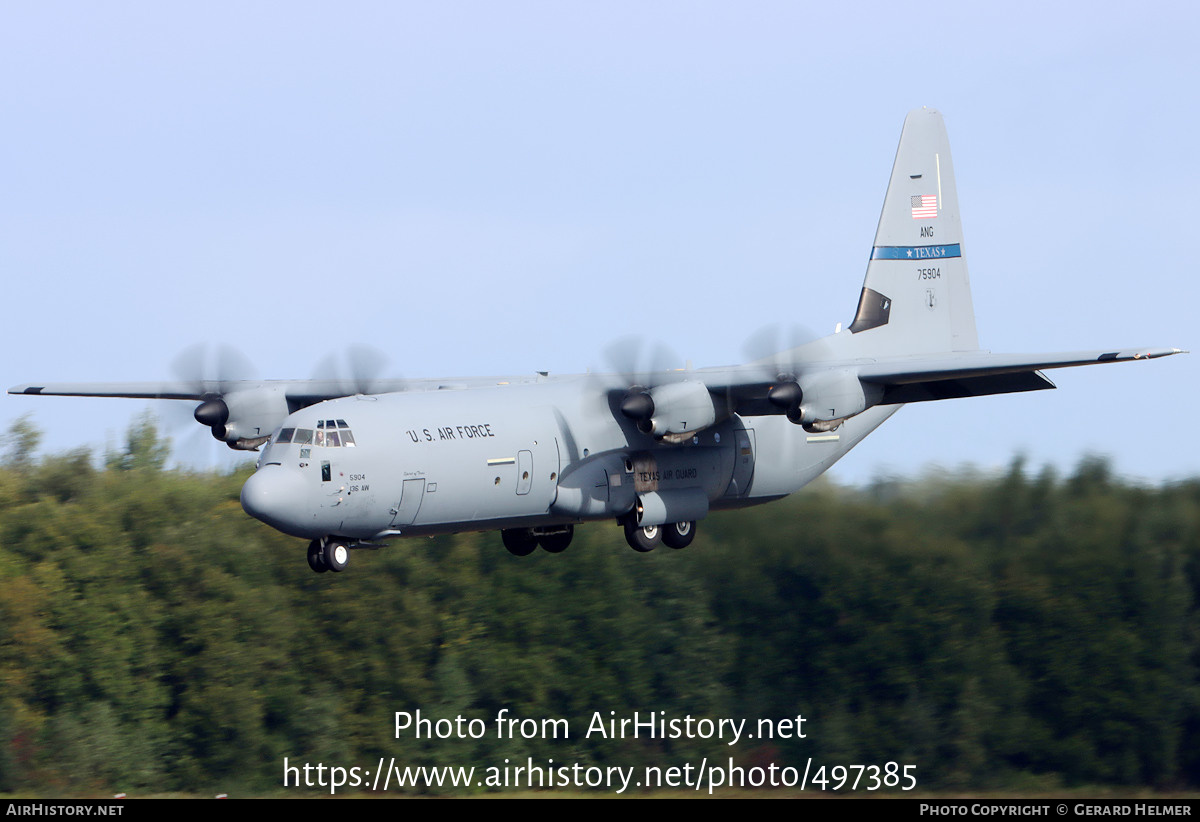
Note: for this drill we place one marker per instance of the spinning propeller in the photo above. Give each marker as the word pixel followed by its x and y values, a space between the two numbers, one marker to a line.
pixel 211 371
pixel 357 370
pixel 782 354
pixel 637 367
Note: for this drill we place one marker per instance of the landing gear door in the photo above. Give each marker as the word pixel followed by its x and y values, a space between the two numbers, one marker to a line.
pixel 743 465
pixel 405 512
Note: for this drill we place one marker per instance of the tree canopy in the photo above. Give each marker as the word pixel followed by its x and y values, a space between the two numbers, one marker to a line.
pixel 995 632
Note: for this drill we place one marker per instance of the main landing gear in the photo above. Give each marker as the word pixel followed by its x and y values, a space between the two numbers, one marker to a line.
pixel 522 542
pixel 328 554
pixel 646 538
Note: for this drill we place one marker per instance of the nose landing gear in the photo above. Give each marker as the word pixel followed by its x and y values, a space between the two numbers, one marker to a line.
pixel 328 554
pixel 522 542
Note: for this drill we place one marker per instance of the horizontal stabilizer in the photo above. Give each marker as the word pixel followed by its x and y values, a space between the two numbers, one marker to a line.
pixel 978 373
pixel 957 387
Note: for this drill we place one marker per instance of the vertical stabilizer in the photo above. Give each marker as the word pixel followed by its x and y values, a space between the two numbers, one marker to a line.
pixel 916 298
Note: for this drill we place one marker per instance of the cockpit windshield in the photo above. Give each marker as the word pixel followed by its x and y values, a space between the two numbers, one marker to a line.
pixel 327 434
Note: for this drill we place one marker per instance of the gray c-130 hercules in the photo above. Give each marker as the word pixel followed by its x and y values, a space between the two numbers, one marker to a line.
pixel 656 450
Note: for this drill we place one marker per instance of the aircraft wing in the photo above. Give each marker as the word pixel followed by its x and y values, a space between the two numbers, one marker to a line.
pixel 308 391
pixel 978 373
pixel 301 392
pixel 131 390
pixel 242 413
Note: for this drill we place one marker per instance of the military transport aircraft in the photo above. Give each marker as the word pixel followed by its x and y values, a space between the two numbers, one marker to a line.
pixel 656 450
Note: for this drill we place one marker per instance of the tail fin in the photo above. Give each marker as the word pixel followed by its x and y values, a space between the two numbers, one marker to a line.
pixel 916 298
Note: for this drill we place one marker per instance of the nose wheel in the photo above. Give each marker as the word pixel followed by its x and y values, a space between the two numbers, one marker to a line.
pixel 328 555
pixel 522 542
pixel 316 556
pixel 556 541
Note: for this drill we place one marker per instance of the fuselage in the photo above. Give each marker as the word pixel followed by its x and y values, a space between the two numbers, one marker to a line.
pixel 508 456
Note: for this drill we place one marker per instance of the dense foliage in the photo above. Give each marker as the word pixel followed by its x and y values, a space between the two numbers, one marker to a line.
pixel 1026 630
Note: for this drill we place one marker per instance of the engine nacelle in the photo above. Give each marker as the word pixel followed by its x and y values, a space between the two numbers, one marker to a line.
pixel 681 408
pixel 244 418
pixel 835 395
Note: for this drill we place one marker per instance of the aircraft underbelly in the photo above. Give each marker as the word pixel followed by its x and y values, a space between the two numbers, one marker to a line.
pixel 636 472
pixel 800 456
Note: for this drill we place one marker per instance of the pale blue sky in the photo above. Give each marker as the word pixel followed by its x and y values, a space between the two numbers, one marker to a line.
pixel 481 188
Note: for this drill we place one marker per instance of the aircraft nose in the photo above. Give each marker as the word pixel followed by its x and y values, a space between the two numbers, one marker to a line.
pixel 275 496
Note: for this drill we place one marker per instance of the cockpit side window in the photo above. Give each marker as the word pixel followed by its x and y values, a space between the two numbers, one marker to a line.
pixel 304 436
pixel 285 435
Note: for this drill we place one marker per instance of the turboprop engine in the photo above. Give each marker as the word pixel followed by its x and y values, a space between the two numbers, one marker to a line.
pixel 673 410
pixel 244 420
pixel 826 399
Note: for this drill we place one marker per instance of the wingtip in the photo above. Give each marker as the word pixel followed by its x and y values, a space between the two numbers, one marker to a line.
pixel 1155 353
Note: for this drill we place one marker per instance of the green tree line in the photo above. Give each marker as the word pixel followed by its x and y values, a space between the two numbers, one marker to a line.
pixel 1026 630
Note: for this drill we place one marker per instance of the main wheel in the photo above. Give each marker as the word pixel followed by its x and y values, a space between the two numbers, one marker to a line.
pixel 678 534
pixel 316 556
pixel 336 555
pixel 520 542
pixel 557 543
pixel 643 540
